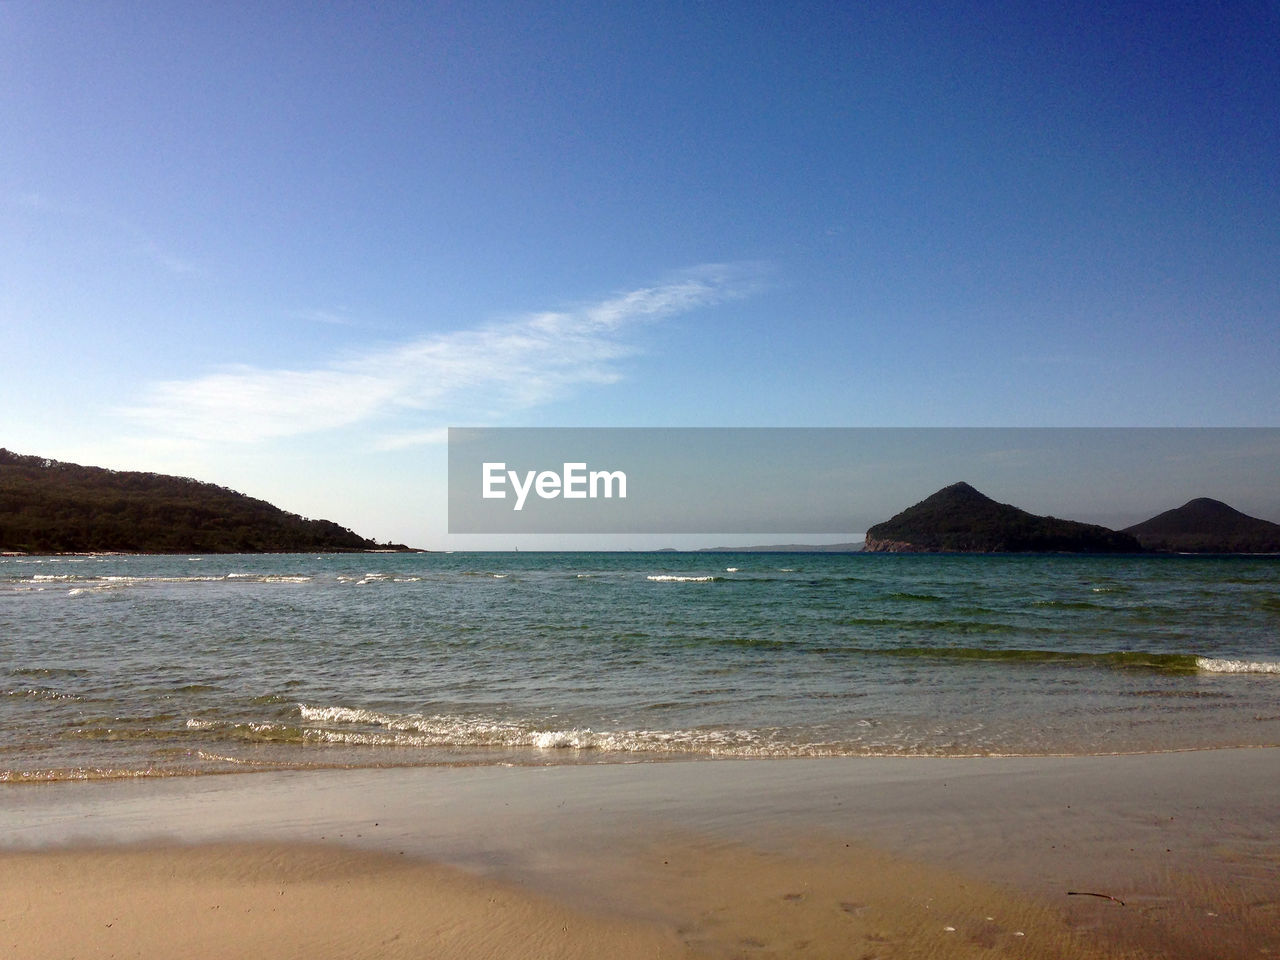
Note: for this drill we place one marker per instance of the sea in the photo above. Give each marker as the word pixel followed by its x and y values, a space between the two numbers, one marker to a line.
pixel 132 666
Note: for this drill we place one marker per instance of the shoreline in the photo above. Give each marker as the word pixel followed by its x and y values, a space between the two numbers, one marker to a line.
pixel 1190 841
pixel 244 767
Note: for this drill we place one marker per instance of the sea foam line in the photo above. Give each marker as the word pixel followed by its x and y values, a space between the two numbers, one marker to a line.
pixel 125 581
pixel 1219 665
pixel 418 730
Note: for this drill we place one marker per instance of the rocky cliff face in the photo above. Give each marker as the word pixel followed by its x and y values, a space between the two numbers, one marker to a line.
pixel 873 545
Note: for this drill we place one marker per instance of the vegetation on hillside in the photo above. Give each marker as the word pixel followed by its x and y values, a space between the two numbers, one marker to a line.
pixel 959 519
pixel 1205 525
pixel 47 506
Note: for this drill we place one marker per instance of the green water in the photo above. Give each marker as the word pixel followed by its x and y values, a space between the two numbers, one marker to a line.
pixel 156 665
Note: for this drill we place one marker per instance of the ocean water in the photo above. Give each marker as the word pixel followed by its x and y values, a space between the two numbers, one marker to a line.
pixel 132 666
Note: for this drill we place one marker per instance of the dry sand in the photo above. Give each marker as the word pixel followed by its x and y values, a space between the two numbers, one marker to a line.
pixel 835 858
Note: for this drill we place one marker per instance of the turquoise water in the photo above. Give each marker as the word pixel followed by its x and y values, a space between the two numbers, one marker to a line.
pixel 119 666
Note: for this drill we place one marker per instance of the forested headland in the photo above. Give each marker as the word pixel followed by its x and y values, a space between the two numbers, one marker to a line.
pixel 47 506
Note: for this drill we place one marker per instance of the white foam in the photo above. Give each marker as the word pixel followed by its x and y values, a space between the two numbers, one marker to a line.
pixel 98 584
pixel 442 730
pixel 668 578
pixel 340 714
pixel 96 588
pixel 1216 665
pixel 375 578
pixel 40 693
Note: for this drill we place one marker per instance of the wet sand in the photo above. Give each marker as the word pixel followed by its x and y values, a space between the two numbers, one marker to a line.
pixel 850 857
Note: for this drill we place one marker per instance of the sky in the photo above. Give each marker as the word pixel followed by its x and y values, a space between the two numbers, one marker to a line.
pixel 283 247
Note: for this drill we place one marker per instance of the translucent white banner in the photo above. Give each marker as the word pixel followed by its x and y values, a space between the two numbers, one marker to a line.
pixel 839 480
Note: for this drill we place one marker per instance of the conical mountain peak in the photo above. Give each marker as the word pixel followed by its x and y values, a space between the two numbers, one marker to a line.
pixel 961 519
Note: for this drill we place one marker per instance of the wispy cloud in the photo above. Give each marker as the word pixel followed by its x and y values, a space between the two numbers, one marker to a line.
pixel 335 318
pixel 480 374
pixel 115 231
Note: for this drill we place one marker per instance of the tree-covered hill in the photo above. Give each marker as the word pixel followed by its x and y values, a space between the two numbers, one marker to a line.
pixel 959 519
pixel 47 506
pixel 1205 525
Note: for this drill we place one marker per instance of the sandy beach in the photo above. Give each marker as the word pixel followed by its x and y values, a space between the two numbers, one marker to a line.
pixel 1148 855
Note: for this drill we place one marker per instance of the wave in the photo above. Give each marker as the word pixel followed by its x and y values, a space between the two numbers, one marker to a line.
pixel 1069 605
pixel 262 578
pixel 672 578
pixel 49 671
pixel 89 582
pixel 452 731
pixel 1173 663
pixel 56 775
pixel 40 693
pixel 1127 659
pixel 250 731
pixel 376 578
pixel 942 626
pixel 1216 665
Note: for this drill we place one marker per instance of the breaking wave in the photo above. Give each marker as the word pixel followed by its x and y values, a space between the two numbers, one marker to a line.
pixel 341 726
pixel 1217 665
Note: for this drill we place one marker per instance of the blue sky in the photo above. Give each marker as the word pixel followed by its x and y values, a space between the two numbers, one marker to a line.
pixel 281 247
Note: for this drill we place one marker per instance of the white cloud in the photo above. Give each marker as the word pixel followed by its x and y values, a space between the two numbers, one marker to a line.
pixel 479 374
pixel 414 438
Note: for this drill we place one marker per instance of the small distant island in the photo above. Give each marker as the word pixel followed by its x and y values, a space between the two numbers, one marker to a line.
pixel 47 506
pixel 1205 525
pixel 959 519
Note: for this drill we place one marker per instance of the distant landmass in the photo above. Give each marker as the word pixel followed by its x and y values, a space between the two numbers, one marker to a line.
pixel 1205 525
pixel 47 506
pixel 854 547
pixel 959 519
